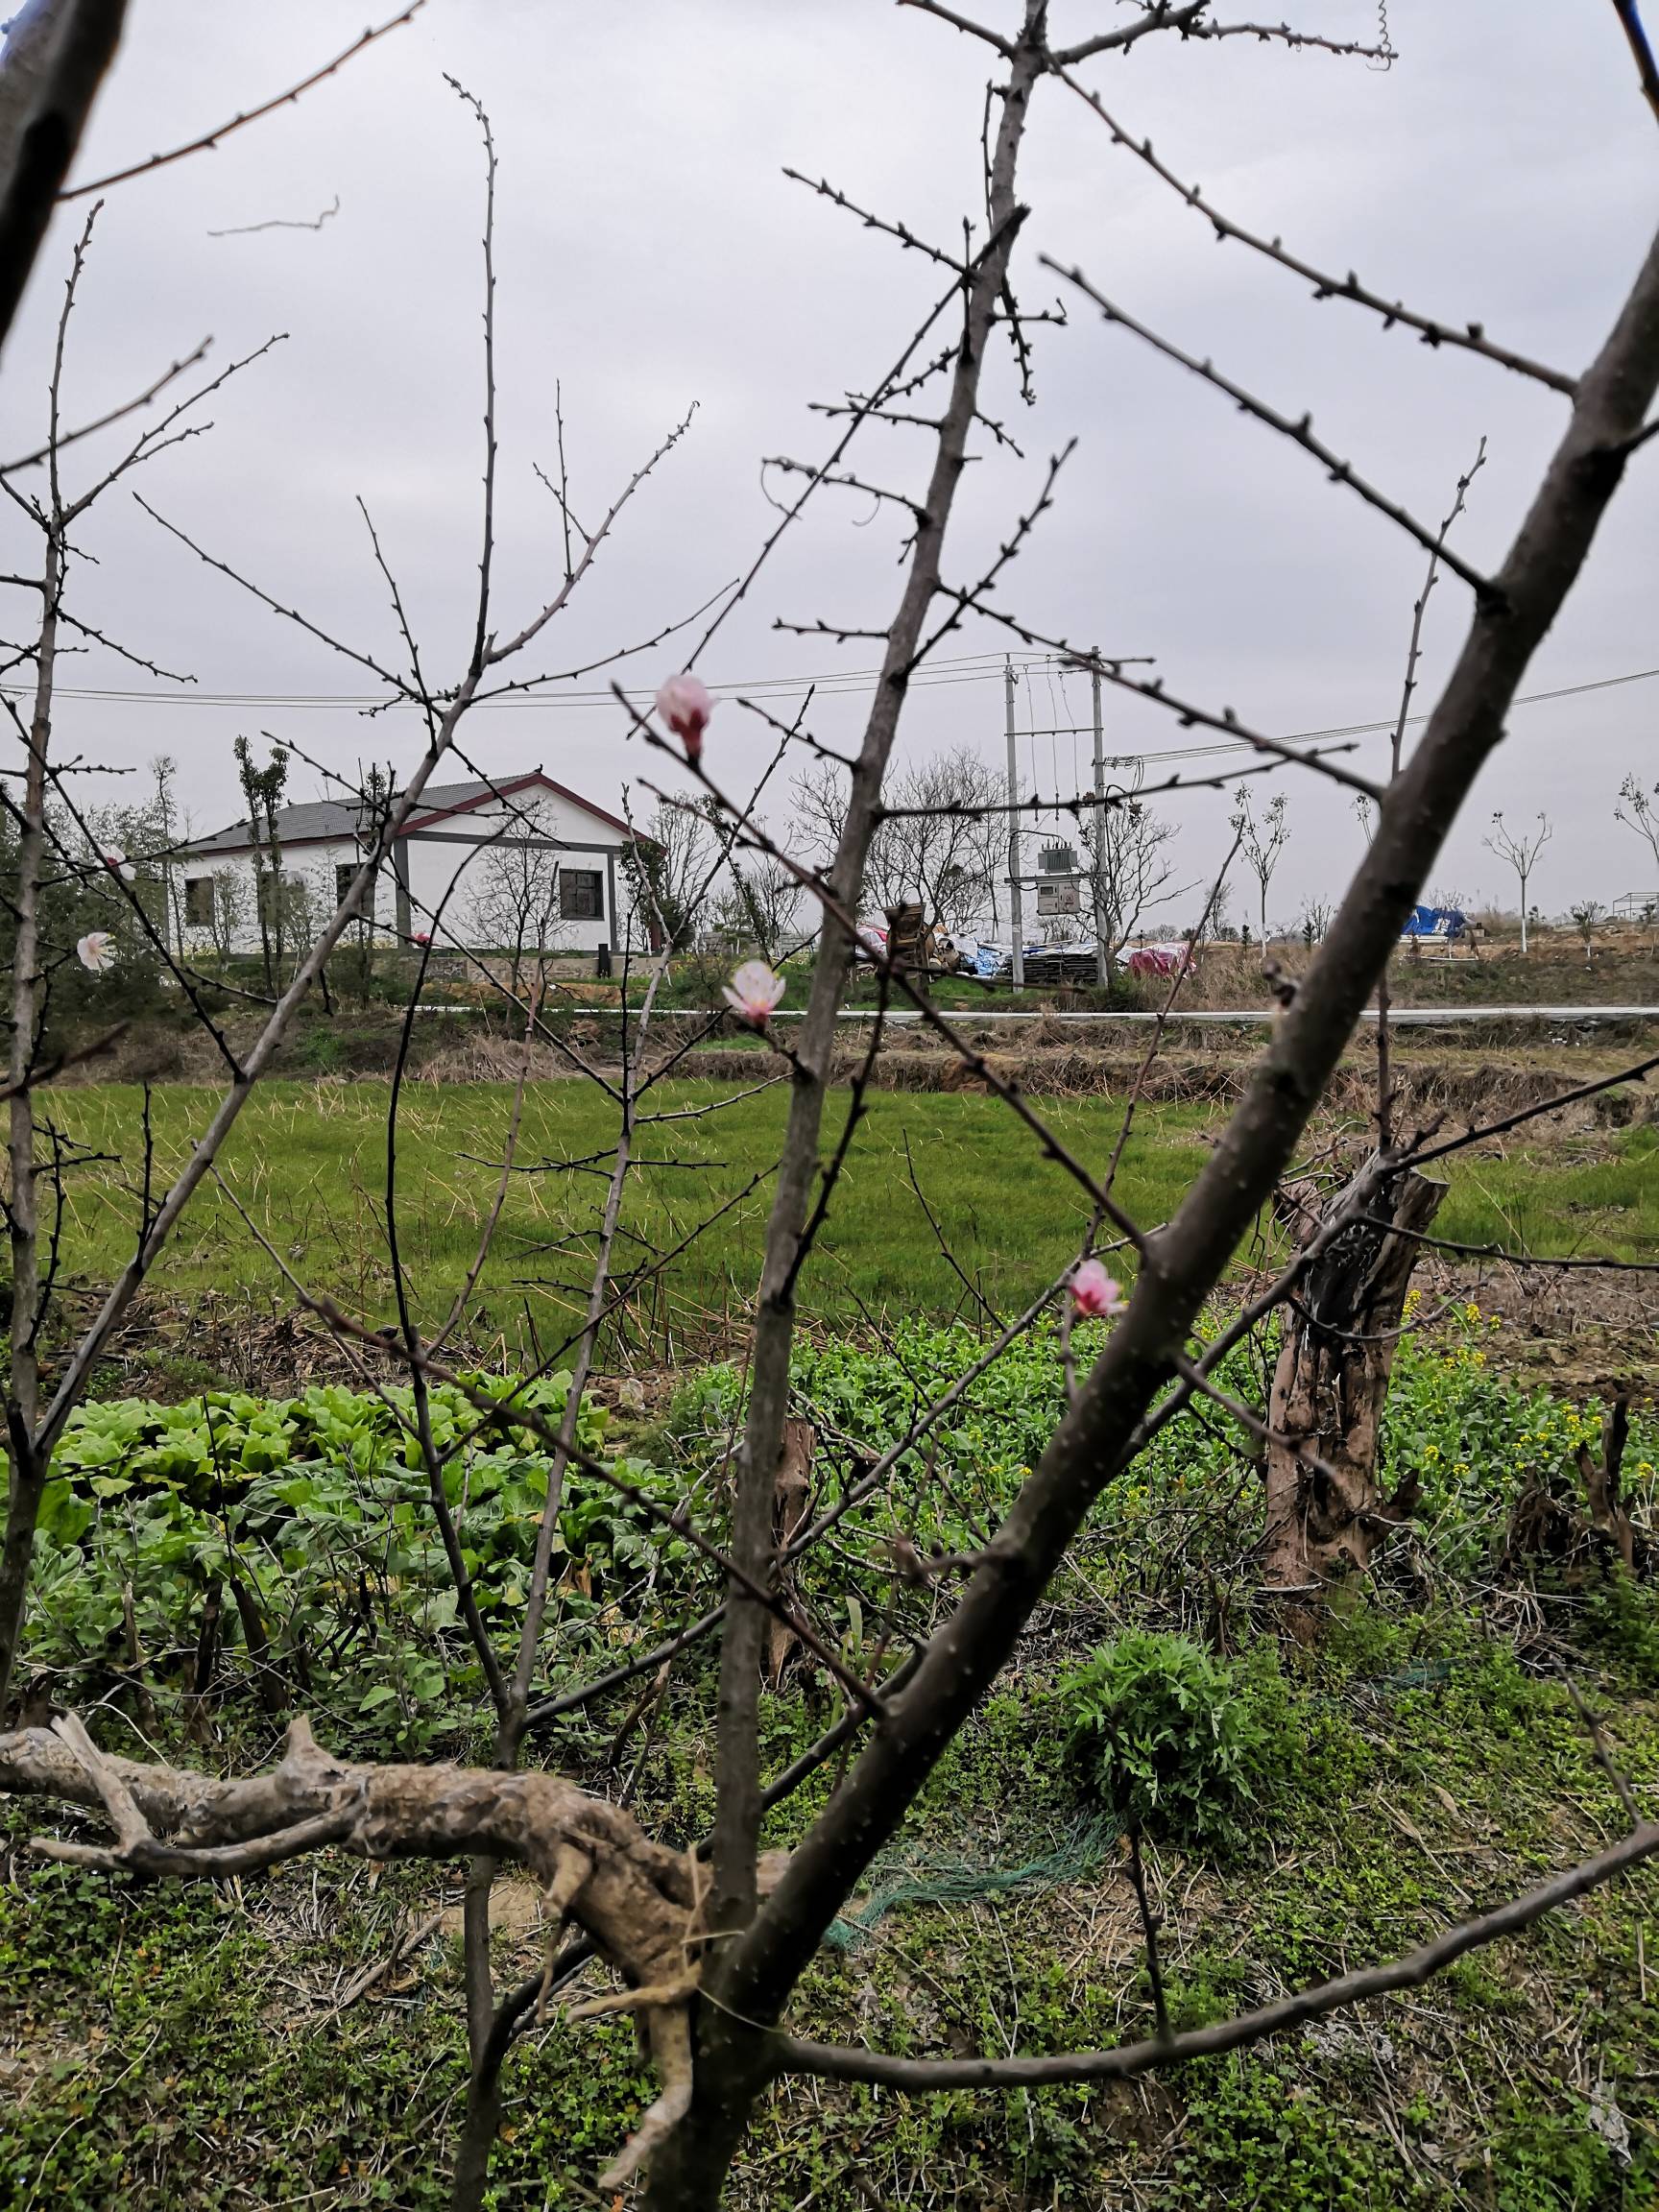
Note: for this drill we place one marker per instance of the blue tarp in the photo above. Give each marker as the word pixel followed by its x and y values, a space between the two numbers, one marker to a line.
pixel 1442 922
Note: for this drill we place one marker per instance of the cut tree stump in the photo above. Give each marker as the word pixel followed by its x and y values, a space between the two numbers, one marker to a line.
pixel 1325 1510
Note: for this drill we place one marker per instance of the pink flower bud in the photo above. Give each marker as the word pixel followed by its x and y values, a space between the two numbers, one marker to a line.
pixel 1094 1293
pixel 684 705
pixel 752 991
pixel 420 937
pixel 118 864
pixel 96 951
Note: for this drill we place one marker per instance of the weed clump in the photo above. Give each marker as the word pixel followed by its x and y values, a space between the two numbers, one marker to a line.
pixel 1179 1744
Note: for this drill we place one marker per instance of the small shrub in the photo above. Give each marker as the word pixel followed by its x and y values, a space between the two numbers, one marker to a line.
pixel 1179 1744
pixel 1621 1618
pixel 321 1053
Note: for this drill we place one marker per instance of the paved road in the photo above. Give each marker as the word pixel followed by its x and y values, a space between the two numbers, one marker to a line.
pixel 1248 1018
pixel 1401 1017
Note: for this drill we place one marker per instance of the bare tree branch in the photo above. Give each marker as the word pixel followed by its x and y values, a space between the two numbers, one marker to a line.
pixel 1629 16
pixel 115 413
pixel 57 53
pixel 211 138
pixel 1470 338
pixel 1300 432
pixel 1104 1425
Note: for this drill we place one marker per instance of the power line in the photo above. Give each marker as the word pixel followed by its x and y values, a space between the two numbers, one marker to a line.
pixel 1522 698
pixel 961 668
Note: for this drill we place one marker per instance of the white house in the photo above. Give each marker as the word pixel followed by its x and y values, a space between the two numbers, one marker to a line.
pixel 519 860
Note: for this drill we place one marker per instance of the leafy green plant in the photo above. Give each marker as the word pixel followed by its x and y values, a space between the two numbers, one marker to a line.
pixel 310 1515
pixel 294 1540
pixel 1551 2161
pixel 1178 1743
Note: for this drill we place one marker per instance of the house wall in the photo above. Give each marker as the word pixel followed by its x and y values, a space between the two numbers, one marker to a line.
pixel 477 866
pixel 535 832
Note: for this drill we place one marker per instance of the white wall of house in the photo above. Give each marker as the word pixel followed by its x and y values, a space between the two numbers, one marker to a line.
pixel 549 856
pixel 536 867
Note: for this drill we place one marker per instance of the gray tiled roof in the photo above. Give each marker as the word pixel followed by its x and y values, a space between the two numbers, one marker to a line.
pixel 321 819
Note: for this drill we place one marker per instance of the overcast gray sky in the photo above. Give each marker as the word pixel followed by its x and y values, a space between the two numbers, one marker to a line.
pixel 651 253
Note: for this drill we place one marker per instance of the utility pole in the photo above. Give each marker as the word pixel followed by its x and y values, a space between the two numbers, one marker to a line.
pixel 1015 904
pixel 1103 951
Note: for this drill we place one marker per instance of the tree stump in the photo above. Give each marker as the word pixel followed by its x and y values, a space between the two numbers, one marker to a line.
pixel 1326 1511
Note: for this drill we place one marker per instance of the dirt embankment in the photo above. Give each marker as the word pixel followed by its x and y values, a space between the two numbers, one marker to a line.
pixel 1486 1070
pixel 1430 1080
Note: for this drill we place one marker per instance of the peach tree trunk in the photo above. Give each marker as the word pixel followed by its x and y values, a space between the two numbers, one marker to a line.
pixel 1325 1510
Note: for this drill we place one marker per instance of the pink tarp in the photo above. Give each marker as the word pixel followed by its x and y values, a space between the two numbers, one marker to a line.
pixel 1160 960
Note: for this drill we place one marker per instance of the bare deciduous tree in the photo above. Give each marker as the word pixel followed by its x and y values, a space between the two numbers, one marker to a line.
pixel 1522 854
pixel 1637 810
pixel 945 838
pixel 938 838
pixel 1262 844
pixel 822 794
pixel 1317 915
pixel 515 895
pixel 712 1950
pixel 1129 866
pixel 765 902
pixel 666 869
pixel 58 516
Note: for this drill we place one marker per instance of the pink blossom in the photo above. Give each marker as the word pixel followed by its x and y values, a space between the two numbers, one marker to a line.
pixel 684 705
pixel 118 864
pixel 96 951
pixel 752 991
pixel 1093 1292
pixel 420 937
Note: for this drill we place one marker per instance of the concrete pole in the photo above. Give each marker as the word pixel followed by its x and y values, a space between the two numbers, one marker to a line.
pixel 1102 957
pixel 1014 904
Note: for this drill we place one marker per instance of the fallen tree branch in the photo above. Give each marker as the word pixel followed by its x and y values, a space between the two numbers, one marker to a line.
pixel 637 1902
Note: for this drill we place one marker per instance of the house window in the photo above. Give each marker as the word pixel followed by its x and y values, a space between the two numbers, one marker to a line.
pixel 198 902
pixel 581 895
pixel 344 871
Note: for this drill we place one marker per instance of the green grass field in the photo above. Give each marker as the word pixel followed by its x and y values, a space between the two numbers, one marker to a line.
pixel 308 1161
